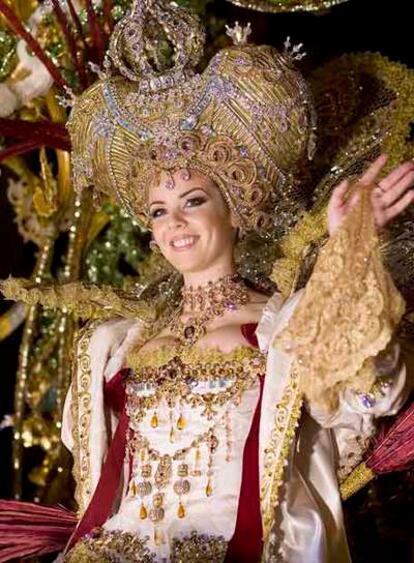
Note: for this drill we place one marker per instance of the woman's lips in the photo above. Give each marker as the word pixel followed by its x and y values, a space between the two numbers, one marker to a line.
pixel 183 243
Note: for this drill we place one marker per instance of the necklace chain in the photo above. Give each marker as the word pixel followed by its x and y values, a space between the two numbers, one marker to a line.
pixel 206 303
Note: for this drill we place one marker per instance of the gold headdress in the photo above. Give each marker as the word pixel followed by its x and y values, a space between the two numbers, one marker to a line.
pixel 276 6
pixel 247 121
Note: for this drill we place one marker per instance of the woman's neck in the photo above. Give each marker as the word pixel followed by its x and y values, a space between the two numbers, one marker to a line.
pixel 199 279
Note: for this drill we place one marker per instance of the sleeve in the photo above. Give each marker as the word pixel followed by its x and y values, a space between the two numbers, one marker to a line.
pixel 353 421
pixel 87 426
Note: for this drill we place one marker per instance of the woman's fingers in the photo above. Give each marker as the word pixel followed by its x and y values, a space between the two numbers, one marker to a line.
pixel 398 207
pixel 397 190
pixel 396 175
pixel 338 195
pixel 371 174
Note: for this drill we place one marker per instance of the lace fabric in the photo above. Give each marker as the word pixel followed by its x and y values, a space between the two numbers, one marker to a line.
pixel 347 314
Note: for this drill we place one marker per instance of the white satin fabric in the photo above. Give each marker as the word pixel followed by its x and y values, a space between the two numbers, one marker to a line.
pixel 310 521
pixel 215 515
pixel 311 528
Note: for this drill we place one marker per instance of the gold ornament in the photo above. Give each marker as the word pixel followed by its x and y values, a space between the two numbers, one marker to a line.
pixel 348 313
pixel 206 303
pixel 276 6
pixel 247 121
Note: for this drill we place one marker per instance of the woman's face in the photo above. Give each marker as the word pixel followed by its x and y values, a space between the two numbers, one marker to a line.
pixel 191 223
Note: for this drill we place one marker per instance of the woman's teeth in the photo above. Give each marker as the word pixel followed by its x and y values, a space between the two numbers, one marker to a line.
pixel 183 242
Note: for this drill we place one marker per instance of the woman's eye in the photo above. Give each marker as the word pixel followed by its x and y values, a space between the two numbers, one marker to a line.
pixel 157 213
pixel 195 201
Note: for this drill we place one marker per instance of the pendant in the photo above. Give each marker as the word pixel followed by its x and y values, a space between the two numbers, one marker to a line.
pixel 189 332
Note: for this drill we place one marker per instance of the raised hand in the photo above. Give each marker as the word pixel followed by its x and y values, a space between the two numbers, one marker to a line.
pixel 390 197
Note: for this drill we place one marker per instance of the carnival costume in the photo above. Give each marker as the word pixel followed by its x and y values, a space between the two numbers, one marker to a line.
pixel 192 454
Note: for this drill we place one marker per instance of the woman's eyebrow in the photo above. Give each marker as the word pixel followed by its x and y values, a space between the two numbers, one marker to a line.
pixel 181 196
pixel 190 191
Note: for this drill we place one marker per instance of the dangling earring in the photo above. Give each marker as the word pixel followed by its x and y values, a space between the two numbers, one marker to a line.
pixel 154 247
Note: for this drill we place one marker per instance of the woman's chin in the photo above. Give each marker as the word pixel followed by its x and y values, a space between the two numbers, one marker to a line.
pixel 187 264
pixel 188 267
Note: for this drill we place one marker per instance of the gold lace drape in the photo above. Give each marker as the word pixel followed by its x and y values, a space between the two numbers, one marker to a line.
pixel 348 312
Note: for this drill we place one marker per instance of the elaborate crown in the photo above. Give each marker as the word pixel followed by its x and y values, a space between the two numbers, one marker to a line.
pixel 247 121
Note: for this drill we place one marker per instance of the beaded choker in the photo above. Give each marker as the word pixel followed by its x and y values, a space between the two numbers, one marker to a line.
pixel 205 303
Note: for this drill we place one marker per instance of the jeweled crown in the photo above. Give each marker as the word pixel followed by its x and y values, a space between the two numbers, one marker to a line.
pixel 247 121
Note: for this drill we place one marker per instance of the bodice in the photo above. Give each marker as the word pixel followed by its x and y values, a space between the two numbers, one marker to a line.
pixel 189 412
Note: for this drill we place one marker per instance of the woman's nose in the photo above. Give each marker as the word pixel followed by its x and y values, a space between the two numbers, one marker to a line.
pixel 177 219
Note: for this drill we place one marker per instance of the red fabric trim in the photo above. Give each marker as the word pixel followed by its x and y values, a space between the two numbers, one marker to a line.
pixel 114 392
pixel 101 505
pixel 246 544
pixel 248 330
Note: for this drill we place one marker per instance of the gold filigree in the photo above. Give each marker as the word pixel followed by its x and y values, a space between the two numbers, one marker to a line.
pixel 359 477
pixel 277 6
pixel 106 546
pixel 247 122
pixel 348 313
pixel 207 302
pixel 365 106
pixel 193 356
pixel 285 422
pixel 80 409
pixel 201 548
pixel 229 376
pixel 84 301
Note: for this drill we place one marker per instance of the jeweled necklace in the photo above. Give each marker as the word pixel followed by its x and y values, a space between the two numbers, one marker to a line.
pixel 206 303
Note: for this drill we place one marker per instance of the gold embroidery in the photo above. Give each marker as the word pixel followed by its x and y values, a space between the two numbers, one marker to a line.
pixel 228 377
pixel 104 546
pixel 246 122
pixel 191 356
pixel 86 301
pixel 74 413
pixel 348 312
pixel 277 450
pixel 360 476
pixel 82 420
pixel 200 548
pixel 206 378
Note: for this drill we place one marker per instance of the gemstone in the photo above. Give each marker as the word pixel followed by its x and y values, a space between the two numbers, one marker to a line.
pixel 209 489
pixel 368 400
pixel 143 513
pixel 189 332
pixel 181 511
pixel 181 423
pixel 154 420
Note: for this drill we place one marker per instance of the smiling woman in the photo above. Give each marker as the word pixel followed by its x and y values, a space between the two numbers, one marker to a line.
pixel 218 431
pixel 193 226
